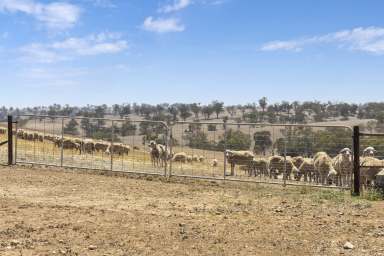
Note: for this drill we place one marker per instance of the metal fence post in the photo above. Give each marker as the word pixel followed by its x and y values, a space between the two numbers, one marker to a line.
pixel 112 140
pixel 62 143
pixel 16 139
pixel 356 160
pixel 170 150
pixel 10 140
pixel 225 150
pixel 166 151
pixel 285 158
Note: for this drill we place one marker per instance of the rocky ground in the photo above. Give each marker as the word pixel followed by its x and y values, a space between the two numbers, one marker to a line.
pixel 47 211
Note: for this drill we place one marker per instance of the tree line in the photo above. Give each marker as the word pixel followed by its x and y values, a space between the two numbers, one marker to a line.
pixel 260 111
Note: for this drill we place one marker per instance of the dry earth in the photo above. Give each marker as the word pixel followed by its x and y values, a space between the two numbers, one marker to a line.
pixel 62 212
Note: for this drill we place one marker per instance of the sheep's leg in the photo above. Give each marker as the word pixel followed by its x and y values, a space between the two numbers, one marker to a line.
pixel 232 169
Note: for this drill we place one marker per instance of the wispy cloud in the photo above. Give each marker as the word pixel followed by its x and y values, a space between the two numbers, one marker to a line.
pixel 103 43
pixel 55 15
pixel 161 25
pixel 214 2
pixel 177 5
pixel 369 39
pixel 102 3
pixel 48 77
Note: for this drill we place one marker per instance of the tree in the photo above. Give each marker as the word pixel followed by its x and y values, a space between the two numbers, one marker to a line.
pixel 263 104
pixel 146 110
pixel 236 140
pixel 86 125
pixel 184 111
pixel 136 109
pixel 195 108
pixel 116 109
pixel 218 107
pixel 128 129
pixel 71 127
pixel 173 111
pixel 252 117
pixel 125 110
pixel 100 113
pixel 263 141
pixel 199 140
pixel 380 117
pixel 231 110
pixel 207 111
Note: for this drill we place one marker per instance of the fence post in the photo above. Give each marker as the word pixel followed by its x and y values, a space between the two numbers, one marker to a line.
pixel 166 150
pixel 16 140
pixel 285 158
pixel 170 150
pixel 10 140
pixel 62 143
pixel 356 161
pixel 112 147
pixel 225 150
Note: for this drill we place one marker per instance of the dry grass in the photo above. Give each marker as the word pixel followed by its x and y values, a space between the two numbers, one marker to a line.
pixel 56 212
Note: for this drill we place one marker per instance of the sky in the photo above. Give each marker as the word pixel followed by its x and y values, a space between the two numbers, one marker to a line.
pixel 237 51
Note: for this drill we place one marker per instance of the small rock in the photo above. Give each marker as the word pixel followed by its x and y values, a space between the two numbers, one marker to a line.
pixel 279 210
pixel 14 242
pixel 92 247
pixel 348 246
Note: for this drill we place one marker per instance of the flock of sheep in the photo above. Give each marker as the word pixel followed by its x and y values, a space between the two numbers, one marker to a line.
pixel 321 169
pixel 88 146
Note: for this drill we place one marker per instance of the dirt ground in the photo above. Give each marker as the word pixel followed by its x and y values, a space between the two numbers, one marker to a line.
pixel 47 211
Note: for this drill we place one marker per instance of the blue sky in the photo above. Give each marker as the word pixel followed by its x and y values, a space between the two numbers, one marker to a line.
pixel 115 51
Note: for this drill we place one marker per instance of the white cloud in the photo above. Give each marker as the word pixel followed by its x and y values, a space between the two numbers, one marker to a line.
pixel 103 43
pixel 177 5
pixel 48 77
pixel 55 15
pixel 281 45
pixel 163 25
pixel 370 39
pixel 102 3
pixel 41 53
pixel 214 2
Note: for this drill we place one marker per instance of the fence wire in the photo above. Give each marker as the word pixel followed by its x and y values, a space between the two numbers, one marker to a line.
pixel 286 153
pixel 3 137
pixel 198 149
pixel 282 154
pixel 372 160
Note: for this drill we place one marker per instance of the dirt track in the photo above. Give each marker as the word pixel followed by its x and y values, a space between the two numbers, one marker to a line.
pixel 51 212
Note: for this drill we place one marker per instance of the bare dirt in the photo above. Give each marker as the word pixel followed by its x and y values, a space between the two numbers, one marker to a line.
pixel 47 211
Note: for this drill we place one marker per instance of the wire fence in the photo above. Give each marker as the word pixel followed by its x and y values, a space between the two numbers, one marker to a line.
pixel 372 160
pixel 89 143
pixel 3 138
pixel 283 154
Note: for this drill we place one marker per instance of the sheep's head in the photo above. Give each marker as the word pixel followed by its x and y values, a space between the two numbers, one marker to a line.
pixel 332 175
pixel 152 144
pixel 369 151
pixel 296 173
pixel 346 154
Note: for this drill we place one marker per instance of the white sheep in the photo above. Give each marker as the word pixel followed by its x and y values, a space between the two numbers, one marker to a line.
pixel 343 165
pixel 324 170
